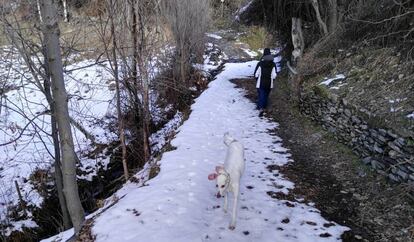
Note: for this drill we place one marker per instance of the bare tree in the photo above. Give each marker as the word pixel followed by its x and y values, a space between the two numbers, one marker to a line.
pixel 189 21
pixel 115 68
pixel 51 39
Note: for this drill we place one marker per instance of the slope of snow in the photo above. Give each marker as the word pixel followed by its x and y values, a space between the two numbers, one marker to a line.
pixel 90 103
pixel 179 204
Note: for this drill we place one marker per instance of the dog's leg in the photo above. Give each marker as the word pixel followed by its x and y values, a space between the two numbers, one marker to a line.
pixel 225 202
pixel 232 225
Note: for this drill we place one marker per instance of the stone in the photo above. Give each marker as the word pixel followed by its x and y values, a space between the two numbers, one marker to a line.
pixel 348 112
pixel 378 149
pixel 392 134
pixel 345 102
pixel 393 154
pixel 394 178
pixel 355 120
pixel 383 132
pixel 364 127
pixel 400 142
pixel 370 140
pixel 333 110
pixel 367 160
pixel 373 133
pixel 394 147
pixel 377 165
pixel 381 139
pixel 403 175
pixel 411 177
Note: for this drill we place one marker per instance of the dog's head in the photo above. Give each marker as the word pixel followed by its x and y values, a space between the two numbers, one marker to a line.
pixel 222 178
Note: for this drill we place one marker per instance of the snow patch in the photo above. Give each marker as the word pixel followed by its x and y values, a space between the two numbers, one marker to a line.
pixel 214 36
pixel 250 52
pixel 327 82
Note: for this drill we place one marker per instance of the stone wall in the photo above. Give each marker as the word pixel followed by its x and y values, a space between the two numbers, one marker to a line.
pixel 380 147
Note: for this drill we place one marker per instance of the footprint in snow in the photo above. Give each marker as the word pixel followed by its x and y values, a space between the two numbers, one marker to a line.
pixel 285 220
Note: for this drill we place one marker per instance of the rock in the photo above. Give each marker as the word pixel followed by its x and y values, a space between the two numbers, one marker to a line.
pixel 377 165
pixel 400 142
pixel 364 127
pixel 348 112
pixel 355 120
pixel 333 110
pixel 381 139
pixel 410 168
pixel 400 173
pixel 383 132
pixel 358 237
pixel 378 149
pixel 394 178
pixel 373 133
pixel 367 160
pixel 392 134
pixel 393 154
pixel 394 147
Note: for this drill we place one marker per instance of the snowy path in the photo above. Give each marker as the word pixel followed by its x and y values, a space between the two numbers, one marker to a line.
pixel 179 204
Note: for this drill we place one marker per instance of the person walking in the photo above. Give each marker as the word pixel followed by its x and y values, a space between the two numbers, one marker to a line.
pixel 265 74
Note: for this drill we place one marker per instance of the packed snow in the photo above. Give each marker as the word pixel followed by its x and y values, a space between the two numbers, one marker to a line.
pixel 180 204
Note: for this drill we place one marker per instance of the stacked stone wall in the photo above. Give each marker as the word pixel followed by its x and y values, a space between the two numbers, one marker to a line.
pixel 380 147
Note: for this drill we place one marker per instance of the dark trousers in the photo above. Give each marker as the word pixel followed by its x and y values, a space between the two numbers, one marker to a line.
pixel 262 96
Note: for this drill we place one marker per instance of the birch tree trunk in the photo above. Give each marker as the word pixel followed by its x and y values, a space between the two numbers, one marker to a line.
pixel 38 10
pixel 51 38
pixel 65 11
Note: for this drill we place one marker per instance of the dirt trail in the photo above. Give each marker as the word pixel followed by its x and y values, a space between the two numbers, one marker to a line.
pixel 330 175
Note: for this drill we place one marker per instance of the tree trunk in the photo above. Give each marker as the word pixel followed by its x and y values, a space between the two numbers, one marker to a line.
pixel 297 40
pixel 333 15
pixel 55 136
pixel 145 92
pixel 322 24
pixel 21 201
pixel 54 59
pixel 65 11
pixel 121 128
pixel 38 11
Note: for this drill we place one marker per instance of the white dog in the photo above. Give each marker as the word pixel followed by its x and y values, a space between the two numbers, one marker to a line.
pixel 228 176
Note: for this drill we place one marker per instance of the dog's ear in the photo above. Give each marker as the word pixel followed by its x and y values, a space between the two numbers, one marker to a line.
pixel 219 169
pixel 212 176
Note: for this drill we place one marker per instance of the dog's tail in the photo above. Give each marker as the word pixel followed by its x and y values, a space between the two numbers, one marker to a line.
pixel 228 139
